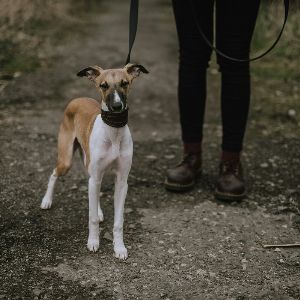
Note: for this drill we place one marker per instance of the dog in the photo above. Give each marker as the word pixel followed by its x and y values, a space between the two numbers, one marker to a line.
pixel 100 131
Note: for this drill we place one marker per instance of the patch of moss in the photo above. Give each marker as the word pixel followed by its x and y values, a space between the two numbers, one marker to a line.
pixel 12 58
pixel 282 62
pixel 18 57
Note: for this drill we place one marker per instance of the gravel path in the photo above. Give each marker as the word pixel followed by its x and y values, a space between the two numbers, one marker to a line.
pixel 180 246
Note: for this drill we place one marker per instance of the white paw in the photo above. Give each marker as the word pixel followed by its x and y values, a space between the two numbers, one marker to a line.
pixel 100 215
pixel 93 244
pixel 121 252
pixel 46 203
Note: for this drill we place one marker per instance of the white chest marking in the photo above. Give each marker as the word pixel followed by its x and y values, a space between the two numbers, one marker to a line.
pixel 107 144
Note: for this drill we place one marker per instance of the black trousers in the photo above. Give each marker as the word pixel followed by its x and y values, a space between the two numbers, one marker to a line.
pixel 235 22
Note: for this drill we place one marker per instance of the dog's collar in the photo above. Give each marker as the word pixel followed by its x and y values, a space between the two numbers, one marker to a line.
pixel 114 119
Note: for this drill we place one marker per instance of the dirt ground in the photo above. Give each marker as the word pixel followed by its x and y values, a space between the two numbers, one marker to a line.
pixel 181 246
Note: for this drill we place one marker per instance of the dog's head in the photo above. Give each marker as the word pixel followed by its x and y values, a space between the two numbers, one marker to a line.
pixel 113 84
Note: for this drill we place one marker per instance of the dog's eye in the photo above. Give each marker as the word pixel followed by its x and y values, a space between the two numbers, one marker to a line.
pixel 124 83
pixel 104 85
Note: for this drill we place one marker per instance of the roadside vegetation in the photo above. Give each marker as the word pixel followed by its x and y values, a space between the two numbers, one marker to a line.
pixel 276 77
pixel 30 29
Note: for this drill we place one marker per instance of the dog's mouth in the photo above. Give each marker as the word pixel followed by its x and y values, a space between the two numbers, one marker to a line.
pixel 119 108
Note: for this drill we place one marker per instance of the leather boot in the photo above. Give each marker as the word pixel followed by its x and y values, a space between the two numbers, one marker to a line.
pixel 230 184
pixel 182 177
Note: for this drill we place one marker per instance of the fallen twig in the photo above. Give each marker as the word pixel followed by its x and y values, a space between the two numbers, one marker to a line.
pixel 282 245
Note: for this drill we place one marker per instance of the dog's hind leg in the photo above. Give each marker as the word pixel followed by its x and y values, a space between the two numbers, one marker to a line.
pixel 66 140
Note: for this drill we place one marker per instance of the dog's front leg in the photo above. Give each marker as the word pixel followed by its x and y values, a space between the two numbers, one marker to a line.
pixel 94 190
pixel 119 201
pixel 121 186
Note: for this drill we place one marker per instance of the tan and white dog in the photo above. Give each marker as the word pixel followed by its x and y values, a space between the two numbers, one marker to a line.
pixel 100 132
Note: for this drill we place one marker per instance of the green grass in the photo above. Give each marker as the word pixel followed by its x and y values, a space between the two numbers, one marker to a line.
pixel 13 58
pixel 275 88
pixel 283 62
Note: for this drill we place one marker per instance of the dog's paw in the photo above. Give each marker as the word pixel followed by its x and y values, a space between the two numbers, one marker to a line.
pixel 100 215
pixel 93 244
pixel 46 203
pixel 121 252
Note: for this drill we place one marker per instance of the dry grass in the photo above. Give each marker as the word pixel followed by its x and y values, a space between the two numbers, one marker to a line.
pixel 28 27
pixel 16 15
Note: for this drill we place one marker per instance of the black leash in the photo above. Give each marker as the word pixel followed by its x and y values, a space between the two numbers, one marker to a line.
pixel 286 13
pixel 133 23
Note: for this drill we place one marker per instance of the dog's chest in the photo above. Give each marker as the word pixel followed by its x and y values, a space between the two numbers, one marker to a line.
pixel 106 143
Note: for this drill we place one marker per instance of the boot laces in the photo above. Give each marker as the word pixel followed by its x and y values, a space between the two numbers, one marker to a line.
pixel 187 159
pixel 229 167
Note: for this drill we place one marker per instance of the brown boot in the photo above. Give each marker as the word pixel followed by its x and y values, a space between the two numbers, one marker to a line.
pixel 230 184
pixel 182 177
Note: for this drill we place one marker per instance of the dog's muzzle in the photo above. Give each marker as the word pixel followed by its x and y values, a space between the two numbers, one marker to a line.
pixel 116 102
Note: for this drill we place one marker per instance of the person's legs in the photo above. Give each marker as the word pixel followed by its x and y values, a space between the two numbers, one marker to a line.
pixel 235 23
pixel 194 55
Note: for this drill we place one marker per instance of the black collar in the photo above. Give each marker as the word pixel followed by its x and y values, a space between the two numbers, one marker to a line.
pixel 114 119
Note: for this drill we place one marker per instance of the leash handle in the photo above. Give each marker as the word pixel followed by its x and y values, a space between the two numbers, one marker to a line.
pixel 133 23
pixel 286 13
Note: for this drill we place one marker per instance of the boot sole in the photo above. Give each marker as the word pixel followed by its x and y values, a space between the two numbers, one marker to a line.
pixel 177 187
pixel 229 196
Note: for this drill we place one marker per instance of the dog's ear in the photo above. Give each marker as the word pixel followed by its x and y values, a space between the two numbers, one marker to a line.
pixel 90 72
pixel 134 70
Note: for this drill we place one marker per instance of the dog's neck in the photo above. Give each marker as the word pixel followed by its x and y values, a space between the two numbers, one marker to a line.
pixel 116 120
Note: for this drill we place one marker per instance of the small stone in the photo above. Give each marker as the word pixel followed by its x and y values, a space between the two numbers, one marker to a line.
pixel 171 251
pixel 291 112
pixel 128 210
pixel 200 272
pixel 83 188
pixel 74 187
pixel 212 274
pixel 169 156
pixel 151 157
pixel 183 265
pixel 37 292
pixel 264 165
pixel 277 250
pixel 108 236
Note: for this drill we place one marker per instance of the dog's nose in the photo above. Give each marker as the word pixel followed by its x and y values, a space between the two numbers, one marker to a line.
pixel 117 106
